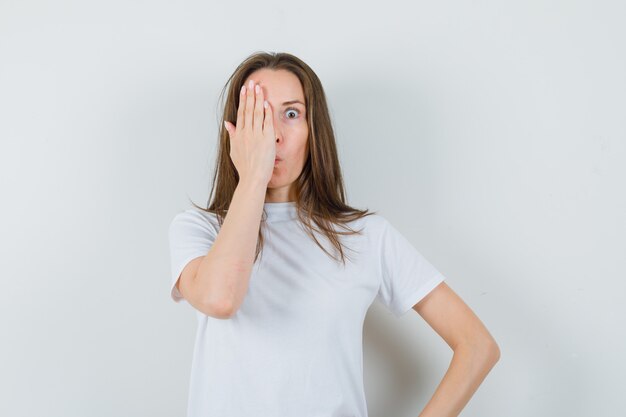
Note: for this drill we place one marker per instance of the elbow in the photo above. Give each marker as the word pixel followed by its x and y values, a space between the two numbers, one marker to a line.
pixel 496 349
pixel 221 309
pixel 221 294
pixel 486 348
pixel 491 350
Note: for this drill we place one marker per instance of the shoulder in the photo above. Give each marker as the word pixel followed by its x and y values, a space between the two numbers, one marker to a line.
pixel 194 218
pixel 381 229
pixel 372 225
pixel 375 221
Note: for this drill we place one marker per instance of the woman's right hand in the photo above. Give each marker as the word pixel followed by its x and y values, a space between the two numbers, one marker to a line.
pixel 252 140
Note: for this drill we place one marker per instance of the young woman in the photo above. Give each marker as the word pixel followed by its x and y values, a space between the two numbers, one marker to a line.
pixel 280 304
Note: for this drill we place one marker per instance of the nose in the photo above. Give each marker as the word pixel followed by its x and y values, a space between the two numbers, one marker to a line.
pixel 277 129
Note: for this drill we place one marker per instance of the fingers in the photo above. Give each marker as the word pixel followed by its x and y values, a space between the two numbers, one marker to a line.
pixel 249 111
pixel 241 108
pixel 268 123
pixel 259 112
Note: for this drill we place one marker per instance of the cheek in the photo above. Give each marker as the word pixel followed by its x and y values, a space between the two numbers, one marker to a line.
pixel 296 128
pixel 296 138
pixel 295 159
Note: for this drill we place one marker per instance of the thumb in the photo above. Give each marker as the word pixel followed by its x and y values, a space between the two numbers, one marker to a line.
pixel 228 126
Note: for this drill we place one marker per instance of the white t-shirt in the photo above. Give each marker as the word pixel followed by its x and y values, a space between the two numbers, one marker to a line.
pixel 294 347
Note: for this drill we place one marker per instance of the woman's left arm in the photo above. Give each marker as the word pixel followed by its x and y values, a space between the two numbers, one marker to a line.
pixel 475 350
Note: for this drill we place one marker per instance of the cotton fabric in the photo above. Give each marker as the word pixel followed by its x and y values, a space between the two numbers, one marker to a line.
pixel 294 347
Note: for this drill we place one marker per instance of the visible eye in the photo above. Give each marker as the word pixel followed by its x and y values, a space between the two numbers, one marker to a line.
pixel 291 110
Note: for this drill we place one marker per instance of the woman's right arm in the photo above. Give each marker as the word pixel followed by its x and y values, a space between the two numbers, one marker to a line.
pixel 217 283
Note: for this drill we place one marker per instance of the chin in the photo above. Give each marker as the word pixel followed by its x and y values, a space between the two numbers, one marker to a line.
pixel 276 183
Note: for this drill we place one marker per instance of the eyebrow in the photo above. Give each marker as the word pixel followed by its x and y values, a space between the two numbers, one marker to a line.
pixel 292 102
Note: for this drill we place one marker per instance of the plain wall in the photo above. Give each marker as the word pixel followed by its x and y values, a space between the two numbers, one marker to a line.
pixel 491 134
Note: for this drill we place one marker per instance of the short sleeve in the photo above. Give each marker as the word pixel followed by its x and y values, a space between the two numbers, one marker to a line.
pixel 407 276
pixel 191 234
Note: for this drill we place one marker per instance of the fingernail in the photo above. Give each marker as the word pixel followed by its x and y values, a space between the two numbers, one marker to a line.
pixel 265 104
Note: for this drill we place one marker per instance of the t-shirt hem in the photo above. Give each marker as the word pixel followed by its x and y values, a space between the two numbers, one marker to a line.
pixel 418 295
pixel 174 293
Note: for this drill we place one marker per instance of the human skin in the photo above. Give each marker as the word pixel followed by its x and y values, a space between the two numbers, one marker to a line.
pixel 280 88
pixel 475 350
pixel 216 284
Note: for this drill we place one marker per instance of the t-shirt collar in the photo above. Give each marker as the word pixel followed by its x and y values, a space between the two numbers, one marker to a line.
pixel 280 211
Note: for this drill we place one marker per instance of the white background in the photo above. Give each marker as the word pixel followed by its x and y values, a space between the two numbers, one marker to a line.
pixel 492 134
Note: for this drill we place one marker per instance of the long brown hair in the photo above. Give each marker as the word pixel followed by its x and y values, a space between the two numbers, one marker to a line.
pixel 319 189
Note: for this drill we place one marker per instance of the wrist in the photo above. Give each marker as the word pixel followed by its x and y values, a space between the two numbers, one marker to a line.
pixel 251 185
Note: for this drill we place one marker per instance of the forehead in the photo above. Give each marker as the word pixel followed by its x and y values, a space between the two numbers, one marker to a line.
pixel 280 85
